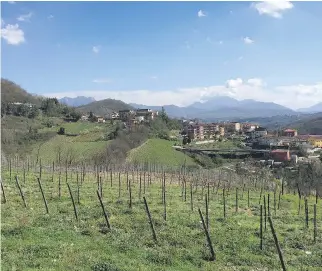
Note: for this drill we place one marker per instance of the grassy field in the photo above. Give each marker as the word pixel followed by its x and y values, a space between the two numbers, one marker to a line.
pixel 89 142
pixel 228 144
pixel 34 240
pixel 16 138
pixel 159 151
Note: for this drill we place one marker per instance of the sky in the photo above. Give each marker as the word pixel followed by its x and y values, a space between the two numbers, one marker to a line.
pixel 158 53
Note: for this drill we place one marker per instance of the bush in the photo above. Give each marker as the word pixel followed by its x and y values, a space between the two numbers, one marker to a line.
pixel 61 131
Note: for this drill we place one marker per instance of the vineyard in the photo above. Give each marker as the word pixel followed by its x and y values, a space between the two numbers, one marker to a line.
pixel 151 218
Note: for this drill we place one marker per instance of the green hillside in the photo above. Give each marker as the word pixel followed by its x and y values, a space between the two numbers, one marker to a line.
pixel 311 124
pixel 33 138
pixel 159 151
pixel 11 92
pixel 104 107
pixel 89 142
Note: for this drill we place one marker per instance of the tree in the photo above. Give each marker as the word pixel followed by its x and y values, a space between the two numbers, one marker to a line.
pixel 164 115
pixel 33 113
pixel 75 115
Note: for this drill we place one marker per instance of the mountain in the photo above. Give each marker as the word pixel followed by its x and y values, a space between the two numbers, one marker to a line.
pixel 224 108
pixel 77 101
pixel 173 110
pixel 312 109
pixel 104 107
pixel 217 102
pixel 308 124
pixel 11 92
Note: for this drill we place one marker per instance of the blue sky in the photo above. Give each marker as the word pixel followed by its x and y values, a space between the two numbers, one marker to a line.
pixel 165 52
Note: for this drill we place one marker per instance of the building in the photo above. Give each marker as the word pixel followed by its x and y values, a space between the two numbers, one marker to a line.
pixel 210 130
pixel 127 114
pixel 234 126
pixel 196 132
pixel 314 140
pixel 290 133
pixel 138 119
pixel 269 141
pixel 148 114
pixel 114 115
pixel 258 132
pixel 248 127
pixel 281 155
pixel 84 117
pixel 221 131
pixel 100 119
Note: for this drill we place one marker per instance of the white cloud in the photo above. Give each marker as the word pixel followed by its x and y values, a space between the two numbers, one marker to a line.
pixel 102 80
pixel 272 8
pixel 256 82
pixel 96 49
pixel 248 40
pixel 25 18
pixel 154 77
pixel 234 83
pixel 12 34
pixel 293 96
pixel 201 14
pixel 50 17
pixel 240 58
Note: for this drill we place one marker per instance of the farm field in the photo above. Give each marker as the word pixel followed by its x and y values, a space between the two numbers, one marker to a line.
pixel 34 240
pixel 159 151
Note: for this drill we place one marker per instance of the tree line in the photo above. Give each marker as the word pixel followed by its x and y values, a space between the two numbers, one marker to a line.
pixel 49 107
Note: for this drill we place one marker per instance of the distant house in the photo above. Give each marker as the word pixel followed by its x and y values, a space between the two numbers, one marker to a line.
pixel 115 115
pixel 148 114
pixel 281 155
pixel 100 119
pixel 84 117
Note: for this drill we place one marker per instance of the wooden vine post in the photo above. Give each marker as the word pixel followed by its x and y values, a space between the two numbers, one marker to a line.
pixel 212 251
pixel 150 219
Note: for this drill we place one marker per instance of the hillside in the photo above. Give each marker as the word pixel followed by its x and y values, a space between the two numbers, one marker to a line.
pixel 309 124
pixel 11 92
pixel 159 151
pixel 104 107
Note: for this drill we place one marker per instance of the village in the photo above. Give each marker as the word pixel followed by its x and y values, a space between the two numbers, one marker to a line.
pixel 282 148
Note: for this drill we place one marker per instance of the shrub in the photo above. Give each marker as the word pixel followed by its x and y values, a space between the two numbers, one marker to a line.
pixel 61 131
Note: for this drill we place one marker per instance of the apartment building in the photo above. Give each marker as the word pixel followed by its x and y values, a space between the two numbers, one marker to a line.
pixel 196 132
pixel 210 130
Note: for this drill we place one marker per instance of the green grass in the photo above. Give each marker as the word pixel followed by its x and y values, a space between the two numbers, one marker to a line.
pixel 81 148
pixel 228 144
pixel 159 151
pixel 33 240
pixel 88 143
